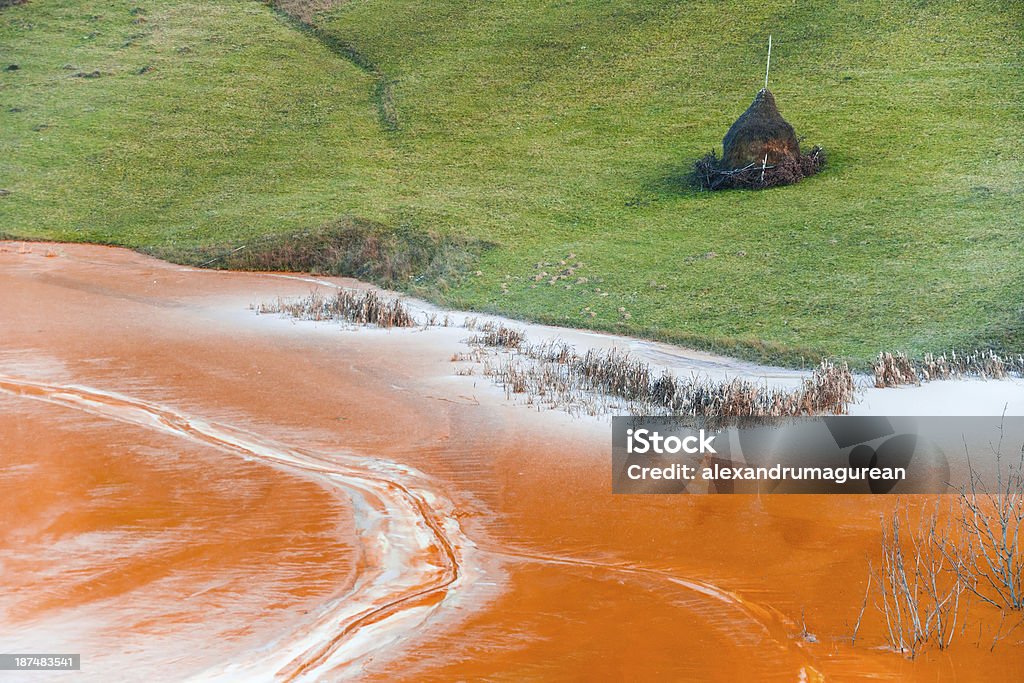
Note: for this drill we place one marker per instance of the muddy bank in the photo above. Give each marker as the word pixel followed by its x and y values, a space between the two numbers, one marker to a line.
pixel 328 502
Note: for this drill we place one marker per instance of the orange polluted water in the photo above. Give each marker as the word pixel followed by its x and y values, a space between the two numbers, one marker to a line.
pixel 321 503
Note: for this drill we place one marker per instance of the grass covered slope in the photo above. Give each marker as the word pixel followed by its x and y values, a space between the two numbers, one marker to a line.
pixel 556 129
pixel 148 123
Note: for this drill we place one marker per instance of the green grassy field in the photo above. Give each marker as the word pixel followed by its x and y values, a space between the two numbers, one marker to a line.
pixel 555 128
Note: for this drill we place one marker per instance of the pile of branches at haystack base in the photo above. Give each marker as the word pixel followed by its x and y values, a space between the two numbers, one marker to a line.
pixel 709 173
pixel 760 150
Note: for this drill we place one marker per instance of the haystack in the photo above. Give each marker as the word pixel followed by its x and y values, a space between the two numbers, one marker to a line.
pixel 760 131
pixel 760 150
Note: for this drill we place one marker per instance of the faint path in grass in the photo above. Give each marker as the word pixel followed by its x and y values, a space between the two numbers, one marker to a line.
pixel 301 16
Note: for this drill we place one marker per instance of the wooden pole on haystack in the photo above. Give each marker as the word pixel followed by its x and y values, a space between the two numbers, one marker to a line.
pixel 768 66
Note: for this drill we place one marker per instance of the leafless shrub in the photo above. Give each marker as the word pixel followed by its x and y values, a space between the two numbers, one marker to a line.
pixel 919 588
pixel 364 307
pixel 977 554
pixel 860 615
pixel 895 369
pixel 990 558
pixel 805 633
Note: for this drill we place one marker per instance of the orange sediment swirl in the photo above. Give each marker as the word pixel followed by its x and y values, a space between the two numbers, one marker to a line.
pixel 416 547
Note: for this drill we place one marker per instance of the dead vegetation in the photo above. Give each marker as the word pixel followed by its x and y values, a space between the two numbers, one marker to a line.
pixel 989 560
pixel 929 575
pixel 498 335
pixel 919 591
pixel 363 307
pixel 553 375
pixel 896 369
pixel 710 174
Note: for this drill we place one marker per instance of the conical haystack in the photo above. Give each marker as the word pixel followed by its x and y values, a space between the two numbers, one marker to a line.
pixel 760 150
pixel 758 132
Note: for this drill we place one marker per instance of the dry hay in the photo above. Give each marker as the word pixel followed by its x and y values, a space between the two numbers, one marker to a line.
pixel 760 150
pixel 760 132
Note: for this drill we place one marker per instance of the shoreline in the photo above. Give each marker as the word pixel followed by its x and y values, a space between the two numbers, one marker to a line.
pixel 964 396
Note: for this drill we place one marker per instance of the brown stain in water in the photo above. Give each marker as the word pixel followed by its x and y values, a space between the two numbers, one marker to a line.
pixel 591 586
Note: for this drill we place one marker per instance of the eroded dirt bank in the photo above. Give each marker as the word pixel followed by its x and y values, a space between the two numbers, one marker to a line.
pixel 326 503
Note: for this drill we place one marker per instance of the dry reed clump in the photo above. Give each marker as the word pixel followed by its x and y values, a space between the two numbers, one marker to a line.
pixel 364 307
pixel 498 335
pixel 893 370
pixel 829 385
pixel 554 375
pixel 434 320
pixel 896 369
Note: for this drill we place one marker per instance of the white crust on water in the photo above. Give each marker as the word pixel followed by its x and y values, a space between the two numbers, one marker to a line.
pixel 955 398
